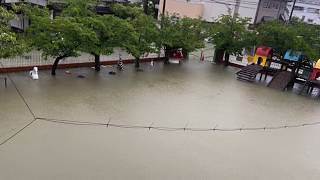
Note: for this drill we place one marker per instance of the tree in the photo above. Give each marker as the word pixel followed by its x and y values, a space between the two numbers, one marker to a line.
pixel 142 38
pixel 126 12
pixel 311 37
pixel 11 43
pixel 279 36
pixel 83 13
pixel 175 32
pixel 142 34
pixel 60 38
pixel 229 35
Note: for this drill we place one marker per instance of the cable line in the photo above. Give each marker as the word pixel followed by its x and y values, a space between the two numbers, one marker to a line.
pixel 168 128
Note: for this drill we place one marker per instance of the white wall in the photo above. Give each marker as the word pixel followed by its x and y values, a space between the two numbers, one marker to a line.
pixel 213 11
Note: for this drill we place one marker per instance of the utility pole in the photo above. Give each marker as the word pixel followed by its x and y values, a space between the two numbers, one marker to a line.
pixel 236 8
pixel 164 7
pixel 294 3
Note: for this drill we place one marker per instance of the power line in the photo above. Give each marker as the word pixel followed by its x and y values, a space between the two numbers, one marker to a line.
pixel 228 1
pixel 224 3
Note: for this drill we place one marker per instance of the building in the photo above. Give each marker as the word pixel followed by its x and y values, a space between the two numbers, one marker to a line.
pixel 306 10
pixel 21 22
pixel 210 10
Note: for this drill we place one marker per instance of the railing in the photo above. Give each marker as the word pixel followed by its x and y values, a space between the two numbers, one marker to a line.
pixel 35 58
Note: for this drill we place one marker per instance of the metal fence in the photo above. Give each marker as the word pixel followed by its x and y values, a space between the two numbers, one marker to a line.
pixel 35 58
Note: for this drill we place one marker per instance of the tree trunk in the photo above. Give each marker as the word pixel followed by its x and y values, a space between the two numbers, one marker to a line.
pixel 145 6
pixel 166 55
pixel 137 63
pixel 218 55
pixel 185 54
pixel 97 63
pixel 226 59
pixel 55 64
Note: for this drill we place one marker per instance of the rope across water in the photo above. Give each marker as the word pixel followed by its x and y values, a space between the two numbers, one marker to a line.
pixel 147 127
pixel 168 128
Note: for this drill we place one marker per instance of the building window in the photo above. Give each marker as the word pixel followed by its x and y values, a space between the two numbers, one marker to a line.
pixel 265 5
pixel 310 20
pixel 271 5
pixel 298 8
pixel 313 10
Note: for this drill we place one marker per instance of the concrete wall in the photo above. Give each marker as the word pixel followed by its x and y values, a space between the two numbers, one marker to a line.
pixel 257 10
pixel 20 22
pixel 183 8
pixel 213 10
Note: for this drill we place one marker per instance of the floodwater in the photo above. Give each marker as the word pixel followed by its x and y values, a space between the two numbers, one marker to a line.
pixel 191 95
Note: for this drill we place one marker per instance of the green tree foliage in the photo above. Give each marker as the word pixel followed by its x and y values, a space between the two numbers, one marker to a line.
pixel 78 8
pixel 230 35
pixel 185 33
pixel 141 38
pixel 311 37
pixel 11 44
pixel 278 36
pixel 82 11
pixel 126 12
pixel 297 36
pixel 60 38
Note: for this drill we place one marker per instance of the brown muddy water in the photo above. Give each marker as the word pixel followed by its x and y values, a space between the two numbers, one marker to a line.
pixel 191 95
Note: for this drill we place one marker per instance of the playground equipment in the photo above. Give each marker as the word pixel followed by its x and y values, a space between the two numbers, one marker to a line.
pixel 176 56
pixel 262 55
pixel 249 73
pixel 281 80
pixel 34 73
pixel 120 65
pixel 314 79
pixel 316 72
pixel 292 56
pixel 294 68
pixel 256 64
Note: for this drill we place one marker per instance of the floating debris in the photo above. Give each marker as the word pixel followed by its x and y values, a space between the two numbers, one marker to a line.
pixel 67 72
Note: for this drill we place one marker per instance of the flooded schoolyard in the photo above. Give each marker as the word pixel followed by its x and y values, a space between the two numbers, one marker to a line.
pixel 192 95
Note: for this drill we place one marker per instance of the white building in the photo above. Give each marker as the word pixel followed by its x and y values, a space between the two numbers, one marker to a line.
pixel 210 10
pixel 21 22
pixel 306 10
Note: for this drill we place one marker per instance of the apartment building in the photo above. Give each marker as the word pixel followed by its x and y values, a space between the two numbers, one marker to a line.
pixel 21 22
pixel 210 10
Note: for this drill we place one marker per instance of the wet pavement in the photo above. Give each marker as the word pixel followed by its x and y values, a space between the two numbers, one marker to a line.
pixel 191 95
